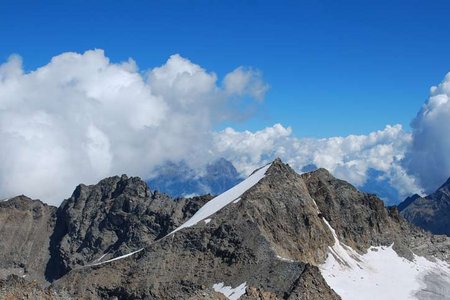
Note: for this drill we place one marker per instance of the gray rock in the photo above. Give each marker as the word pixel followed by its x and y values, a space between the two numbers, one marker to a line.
pixel 431 213
pixel 361 220
pixel 272 239
pixel 114 217
pixel 25 229
pixel 241 244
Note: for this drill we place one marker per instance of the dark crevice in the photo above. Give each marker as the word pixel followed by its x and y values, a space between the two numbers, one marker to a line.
pixel 55 268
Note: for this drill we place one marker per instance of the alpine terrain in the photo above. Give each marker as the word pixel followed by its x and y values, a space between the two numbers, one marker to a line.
pixel 275 235
pixel 431 212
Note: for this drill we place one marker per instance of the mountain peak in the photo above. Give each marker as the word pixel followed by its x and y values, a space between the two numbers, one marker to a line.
pixel 431 212
pixel 278 167
pixel 300 227
pixel 445 186
pixel 22 202
pixel 407 202
pixel 322 172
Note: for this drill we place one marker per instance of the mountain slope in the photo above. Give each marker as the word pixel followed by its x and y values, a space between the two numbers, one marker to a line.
pixel 276 235
pixel 286 236
pixel 431 213
pixel 114 217
pixel 25 229
pixel 234 247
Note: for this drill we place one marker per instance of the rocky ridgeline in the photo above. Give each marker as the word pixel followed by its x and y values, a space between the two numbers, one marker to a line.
pixel 117 216
pixel 25 229
pixel 271 240
pixel 432 212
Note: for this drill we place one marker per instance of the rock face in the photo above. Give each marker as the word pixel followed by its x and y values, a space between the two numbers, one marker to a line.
pixel 14 287
pixel 242 243
pixel 268 243
pixel 25 229
pixel 114 217
pixel 431 213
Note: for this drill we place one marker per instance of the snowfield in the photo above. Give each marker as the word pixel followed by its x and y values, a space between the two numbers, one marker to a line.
pixel 219 202
pixel 229 292
pixel 382 274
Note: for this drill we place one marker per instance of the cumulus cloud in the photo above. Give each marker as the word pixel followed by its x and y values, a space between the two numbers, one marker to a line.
pixel 81 117
pixel 245 81
pixel 416 162
pixel 429 156
pixel 349 158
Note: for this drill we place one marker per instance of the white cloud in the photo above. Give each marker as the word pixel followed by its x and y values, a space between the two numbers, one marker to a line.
pixel 348 158
pixel 429 156
pixel 80 118
pixel 250 150
pixel 245 81
pixel 417 162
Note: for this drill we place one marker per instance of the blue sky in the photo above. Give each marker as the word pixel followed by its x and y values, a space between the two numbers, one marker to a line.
pixel 334 67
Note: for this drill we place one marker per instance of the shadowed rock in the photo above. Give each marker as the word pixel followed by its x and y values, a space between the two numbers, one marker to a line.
pixel 25 229
pixel 271 240
pixel 432 212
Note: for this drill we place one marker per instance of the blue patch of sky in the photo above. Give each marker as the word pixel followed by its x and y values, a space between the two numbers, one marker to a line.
pixel 334 67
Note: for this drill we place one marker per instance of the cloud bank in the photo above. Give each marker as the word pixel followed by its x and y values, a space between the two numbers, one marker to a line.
pixel 81 118
pixel 416 162
pixel 349 158
pixel 429 156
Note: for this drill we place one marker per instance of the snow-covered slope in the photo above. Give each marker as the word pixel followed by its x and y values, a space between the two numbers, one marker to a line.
pixel 219 202
pixel 210 208
pixel 382 274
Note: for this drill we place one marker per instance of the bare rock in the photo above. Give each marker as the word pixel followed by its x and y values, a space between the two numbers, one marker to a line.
pixel 25 229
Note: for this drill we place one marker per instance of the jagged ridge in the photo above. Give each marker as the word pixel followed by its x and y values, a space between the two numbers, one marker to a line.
pixel 271 240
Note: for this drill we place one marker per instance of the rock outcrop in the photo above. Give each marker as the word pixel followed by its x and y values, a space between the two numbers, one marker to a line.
pixel 118 215
pixel 272 239
pixel 432 212
pixel 116 240
pixel 25 229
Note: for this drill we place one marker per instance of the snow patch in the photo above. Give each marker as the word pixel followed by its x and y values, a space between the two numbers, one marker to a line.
pixel 237 200
pixel 229 292
pixel 207 221
pixel 285 259
pixel 101 257
pixel 116 258
pixel 379 274
pixel 317 208
pixel 219 202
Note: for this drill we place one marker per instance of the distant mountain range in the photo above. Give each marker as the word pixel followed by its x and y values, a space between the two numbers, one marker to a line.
pixel 275 235
pixel 178 180
pixel 431 212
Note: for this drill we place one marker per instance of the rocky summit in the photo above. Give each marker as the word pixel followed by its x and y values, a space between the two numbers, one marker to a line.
pixel 276 235
pixel 432 212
